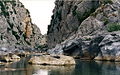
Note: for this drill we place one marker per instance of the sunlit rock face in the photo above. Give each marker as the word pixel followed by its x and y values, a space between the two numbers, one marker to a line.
pixel 16 29
pixel 55 60
pixel 79 26
pixel 110 48
pixel 67 17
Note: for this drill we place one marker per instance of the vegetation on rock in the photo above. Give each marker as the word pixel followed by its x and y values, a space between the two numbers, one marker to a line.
pixel 113 27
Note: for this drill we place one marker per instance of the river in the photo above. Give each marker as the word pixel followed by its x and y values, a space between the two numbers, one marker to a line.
pixel 81 68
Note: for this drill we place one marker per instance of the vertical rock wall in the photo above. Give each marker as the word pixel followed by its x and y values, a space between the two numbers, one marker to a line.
pixel 16 29
pixel 67 17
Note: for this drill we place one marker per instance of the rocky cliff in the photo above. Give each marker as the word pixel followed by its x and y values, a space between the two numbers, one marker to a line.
pixel 85 28
pixel 67 17
pixel 16 29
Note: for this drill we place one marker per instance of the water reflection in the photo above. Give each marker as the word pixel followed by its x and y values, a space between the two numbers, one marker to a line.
pixel 97 68
pixel 41 72
pixel 17 68
pixel 23 68
pixel 81 68
pixel 53 70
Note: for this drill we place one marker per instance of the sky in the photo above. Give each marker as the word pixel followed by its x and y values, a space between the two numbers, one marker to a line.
pixel 40 11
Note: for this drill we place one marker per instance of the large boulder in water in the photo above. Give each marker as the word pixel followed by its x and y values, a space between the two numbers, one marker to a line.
pixel 59 60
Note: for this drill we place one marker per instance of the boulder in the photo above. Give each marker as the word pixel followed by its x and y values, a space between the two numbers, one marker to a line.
pixel 9 58
pixel 86 47
pixel 5 58
pixel 52 60
pixel 1 63
pixel 110 47
pixel 15 57
pixel 70 47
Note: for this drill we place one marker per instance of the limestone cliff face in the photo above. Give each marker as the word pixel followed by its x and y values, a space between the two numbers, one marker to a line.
pixel 80 17
pixel 16 28
pixel 67 17
pixel 86 29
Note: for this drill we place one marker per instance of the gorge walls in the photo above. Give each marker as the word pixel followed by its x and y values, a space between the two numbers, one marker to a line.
pixel 88 29
pixel 16 29
pixel 67 17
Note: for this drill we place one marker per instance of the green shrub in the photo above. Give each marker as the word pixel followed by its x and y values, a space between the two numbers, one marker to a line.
pixel 106 1
pixel 113 27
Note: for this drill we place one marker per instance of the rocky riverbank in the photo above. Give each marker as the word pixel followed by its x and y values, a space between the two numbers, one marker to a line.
pixel 86 29
pixel 36 58
pixel 17 32
pixel 19 37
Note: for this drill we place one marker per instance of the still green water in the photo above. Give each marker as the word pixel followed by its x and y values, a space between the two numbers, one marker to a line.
pixel 81 68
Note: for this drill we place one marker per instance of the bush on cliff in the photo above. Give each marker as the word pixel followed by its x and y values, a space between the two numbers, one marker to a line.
pixel 113 27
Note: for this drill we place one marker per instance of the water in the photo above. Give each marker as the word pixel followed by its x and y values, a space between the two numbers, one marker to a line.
pixel 81 68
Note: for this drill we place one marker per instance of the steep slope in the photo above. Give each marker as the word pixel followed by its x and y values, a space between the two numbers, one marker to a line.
pixel 16 29
pixel 86 28
pixel 67 17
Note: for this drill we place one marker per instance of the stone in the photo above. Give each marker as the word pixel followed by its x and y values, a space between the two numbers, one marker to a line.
pixel 71 47
pixel 79 48
pixel 16 28
pixel 5 58
pixel 9 58
pixel 1 63
pixel 15 57
pixel 67 17
pixel 94 47
pixel 89 26
pixel 58 60
pixel 110 47
pixel 57 50
pixel 80 29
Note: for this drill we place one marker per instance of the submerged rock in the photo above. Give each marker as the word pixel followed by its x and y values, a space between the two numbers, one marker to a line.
pixel 52 60
pixel 9 58
pixel 5 58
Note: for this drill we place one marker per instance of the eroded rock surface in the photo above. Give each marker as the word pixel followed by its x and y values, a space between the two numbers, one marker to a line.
pixel 67 17
pixel 110 47
pixel 59 60
pixel 17 32
pixel 80 28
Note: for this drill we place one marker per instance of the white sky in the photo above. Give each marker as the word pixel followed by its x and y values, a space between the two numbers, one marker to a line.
pixel 40 11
